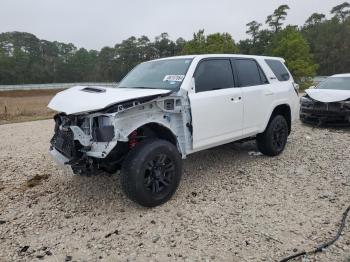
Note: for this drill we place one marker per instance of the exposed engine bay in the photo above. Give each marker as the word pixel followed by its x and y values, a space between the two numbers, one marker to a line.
pixel 100 140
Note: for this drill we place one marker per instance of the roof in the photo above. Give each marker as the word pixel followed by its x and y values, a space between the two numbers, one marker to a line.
pixel 221 55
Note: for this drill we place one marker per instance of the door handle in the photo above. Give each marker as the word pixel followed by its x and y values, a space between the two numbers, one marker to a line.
pixel 237 99
pixel 268 93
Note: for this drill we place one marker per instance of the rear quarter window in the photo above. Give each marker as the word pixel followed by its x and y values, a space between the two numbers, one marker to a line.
pixel 279 69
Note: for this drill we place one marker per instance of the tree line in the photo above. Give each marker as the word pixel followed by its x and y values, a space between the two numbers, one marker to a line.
pixel 320 46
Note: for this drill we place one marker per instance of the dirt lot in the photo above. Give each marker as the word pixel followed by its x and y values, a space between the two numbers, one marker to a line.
pixel 231 205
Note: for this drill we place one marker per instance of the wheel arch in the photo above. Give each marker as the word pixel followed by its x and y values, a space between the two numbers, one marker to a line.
pixel 285 111
pixel 158 130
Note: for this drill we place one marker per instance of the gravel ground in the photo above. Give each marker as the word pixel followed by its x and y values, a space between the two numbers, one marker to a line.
pixel 231 205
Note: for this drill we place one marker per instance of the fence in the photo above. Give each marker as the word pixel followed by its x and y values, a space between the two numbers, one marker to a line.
pixel 51 86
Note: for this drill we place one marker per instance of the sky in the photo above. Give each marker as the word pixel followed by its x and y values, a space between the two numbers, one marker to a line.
pixel 94 24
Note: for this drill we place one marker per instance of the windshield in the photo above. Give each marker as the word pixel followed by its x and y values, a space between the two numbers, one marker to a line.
pixel 338 83
pixel 160 74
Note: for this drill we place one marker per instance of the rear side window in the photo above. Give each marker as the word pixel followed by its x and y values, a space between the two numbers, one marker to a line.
pixel 249 73
pixel 278 69
pixel 214 74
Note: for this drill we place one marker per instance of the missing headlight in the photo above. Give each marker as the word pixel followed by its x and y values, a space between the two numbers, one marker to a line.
pixel 102 129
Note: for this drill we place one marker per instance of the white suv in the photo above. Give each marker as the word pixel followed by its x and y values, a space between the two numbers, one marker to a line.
pixel 166 109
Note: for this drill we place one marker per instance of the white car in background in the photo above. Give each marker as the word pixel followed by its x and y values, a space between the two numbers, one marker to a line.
pixel 166 109
pixel 328 102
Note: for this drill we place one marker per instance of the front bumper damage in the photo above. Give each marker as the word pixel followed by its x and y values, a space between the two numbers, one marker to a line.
pixel 316 112
pixel 82 143
pixel 100 141
pixel 60 159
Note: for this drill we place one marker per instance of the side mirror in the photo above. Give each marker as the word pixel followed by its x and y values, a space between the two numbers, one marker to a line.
pixel 296 86
pixel 193 84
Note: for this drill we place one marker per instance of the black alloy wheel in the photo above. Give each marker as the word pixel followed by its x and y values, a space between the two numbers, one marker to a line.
pixel 280 134
pixel 159 174
pixel 151 172
pixel 274 139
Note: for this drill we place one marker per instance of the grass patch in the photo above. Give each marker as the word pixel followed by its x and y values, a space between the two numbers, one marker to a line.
pixel 25 105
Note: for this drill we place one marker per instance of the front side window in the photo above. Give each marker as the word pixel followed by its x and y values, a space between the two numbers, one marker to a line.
pixel 249 73
pixel 159 74
pixel 337 83
pixel 214 74
pixel 278 69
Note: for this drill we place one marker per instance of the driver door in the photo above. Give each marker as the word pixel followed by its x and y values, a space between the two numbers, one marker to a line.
pixel 216 105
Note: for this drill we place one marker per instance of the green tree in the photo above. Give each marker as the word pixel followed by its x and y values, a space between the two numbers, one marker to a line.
pixel 65 53
pixel 245 46
pixel 279 15
pixel 330 43
pixel 105 65
pixel 7 75
pixel 145 49
pixel 127 56
pixel 164 46
pixel 220 43
pixel 22 51
pixel 315 19
pixel 253 30
pixel 179 45
pixel 211 44
pixel 81 66
pixel 291 45
pixel 341 11
pixel 263 39
pixel 197 45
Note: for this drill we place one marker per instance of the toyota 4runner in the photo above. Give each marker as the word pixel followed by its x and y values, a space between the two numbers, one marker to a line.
pixel 166 109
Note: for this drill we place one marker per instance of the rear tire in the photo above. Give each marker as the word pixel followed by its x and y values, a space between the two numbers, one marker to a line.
pixel 273 140
pixel 151 172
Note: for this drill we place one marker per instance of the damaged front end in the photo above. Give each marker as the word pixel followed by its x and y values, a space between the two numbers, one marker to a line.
pixel 317 112
pixel 84 141
pixel 99 141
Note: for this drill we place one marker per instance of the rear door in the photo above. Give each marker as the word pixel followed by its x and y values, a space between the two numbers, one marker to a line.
pixel 283 85
pixel 257 94
pixel 216 105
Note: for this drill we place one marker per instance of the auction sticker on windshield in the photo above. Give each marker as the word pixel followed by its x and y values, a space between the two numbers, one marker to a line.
pixel 174 78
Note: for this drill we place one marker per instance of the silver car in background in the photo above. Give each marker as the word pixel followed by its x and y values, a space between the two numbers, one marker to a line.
pixel 328 102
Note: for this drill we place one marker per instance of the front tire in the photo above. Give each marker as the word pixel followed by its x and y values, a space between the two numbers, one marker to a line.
pixel 273 140
pixel 151 172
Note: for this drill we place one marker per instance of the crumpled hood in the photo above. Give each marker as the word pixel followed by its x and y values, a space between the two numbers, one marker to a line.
pixel 80 99
pixel 328 95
